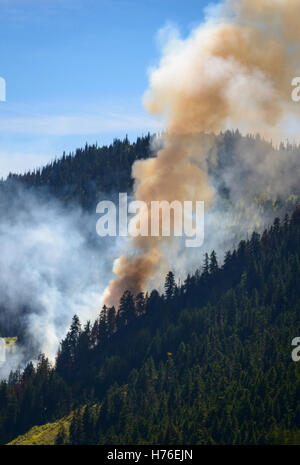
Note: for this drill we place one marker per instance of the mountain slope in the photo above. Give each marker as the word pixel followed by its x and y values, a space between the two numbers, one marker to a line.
pixel 44 434
pixel 207 363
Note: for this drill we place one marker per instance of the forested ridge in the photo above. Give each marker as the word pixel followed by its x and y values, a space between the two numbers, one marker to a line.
pixel 87 173
pixel 83 175
pixel 207 362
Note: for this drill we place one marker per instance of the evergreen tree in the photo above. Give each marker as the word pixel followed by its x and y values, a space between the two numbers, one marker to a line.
pixel 170 286
pixel 126 311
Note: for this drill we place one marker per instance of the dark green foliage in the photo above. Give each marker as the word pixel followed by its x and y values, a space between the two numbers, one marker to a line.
pixel 209 364
pixel 170 286
pixel 126 312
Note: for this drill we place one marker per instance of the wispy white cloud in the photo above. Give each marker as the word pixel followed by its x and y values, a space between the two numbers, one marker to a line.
pixel 32 139
pixel 62 125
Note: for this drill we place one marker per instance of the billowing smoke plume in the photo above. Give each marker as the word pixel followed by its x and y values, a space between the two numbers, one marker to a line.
pixel 235 70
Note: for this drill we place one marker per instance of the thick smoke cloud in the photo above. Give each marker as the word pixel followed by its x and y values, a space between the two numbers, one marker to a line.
pixel 52 265
pixel 235 70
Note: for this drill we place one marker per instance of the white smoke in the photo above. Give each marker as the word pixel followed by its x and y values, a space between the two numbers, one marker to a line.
pixel 52 265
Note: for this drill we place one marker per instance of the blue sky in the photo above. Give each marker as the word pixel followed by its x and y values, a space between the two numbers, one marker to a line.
pixel 76 71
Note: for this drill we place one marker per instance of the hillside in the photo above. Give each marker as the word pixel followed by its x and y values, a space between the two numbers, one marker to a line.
pixel 44 434
pixel 208 362
pixel 48 434
pixel 61 199
pixel 150 226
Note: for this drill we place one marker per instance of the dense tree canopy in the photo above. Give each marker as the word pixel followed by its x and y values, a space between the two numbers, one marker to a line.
pixel 208 362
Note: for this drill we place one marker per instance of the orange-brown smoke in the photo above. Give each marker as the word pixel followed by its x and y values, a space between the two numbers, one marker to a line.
pixel 235 70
